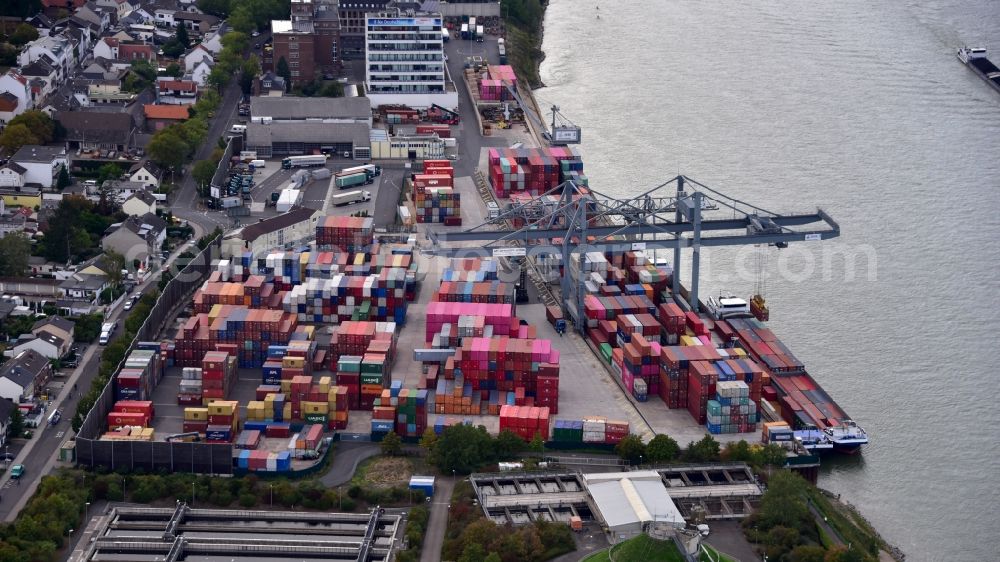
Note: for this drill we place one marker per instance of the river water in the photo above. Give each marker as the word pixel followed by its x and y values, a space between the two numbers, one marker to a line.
pixel 860 107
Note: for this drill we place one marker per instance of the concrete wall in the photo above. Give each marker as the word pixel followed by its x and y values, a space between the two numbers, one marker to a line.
pixel 416 101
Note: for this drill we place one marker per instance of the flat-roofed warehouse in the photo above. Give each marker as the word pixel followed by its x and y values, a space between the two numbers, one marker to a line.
pixel 298 110
pixel 277 139
pixel 627 501
pixel 140 534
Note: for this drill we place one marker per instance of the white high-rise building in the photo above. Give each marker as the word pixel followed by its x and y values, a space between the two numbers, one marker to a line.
pixel 404 60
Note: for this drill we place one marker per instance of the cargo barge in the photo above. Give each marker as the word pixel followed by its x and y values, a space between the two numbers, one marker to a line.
pixel 975 58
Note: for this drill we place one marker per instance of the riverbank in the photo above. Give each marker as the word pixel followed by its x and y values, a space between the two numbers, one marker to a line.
pixel 525 24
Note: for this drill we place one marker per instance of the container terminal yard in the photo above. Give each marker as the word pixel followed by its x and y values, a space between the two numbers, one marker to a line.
pixel 524 299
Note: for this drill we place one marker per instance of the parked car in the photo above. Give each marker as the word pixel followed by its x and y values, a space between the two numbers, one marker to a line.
pixel 16 471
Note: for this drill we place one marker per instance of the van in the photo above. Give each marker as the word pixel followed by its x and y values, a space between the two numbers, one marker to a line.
pixel 105 338
pixel 257 163
pixel 238 129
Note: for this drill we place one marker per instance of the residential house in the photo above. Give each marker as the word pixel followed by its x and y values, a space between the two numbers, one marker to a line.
pixel 120 190
pixel 140 15
pixel 108 92
pixel 195 21
pixel 59 51
pixel 293 227
pixel 41 163
pixel 7 408
pixel 107 48
pixel 120 8
pixel 140 203
pixel 196 55
pixel 136 238
pixel 83 287
pixel 133 51
pixel 213 40
pixel 270 84
pixel 146 172
pixel 164 17
pixel 15 96
pixel 23 375
pixel 13 222
pixel 90 130
pixel 53 7
pixel 43 78
pixel 93 14
pixel 160 116
pixel 30 197
pixel 176 92
pixel 65 329
pixel 200 73
pixel 101 69
pixel 12 175
pixel 46 343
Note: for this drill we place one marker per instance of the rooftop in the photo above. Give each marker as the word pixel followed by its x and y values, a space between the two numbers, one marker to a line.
pixel 55 321
pixel 628 498
pixel 310 108
pixel 155 111
pixel 38 154
pixel 260 134
pixel 254 231
pixel 24 368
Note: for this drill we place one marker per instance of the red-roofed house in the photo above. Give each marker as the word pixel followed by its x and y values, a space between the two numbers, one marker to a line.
pixel 15 96
pixel 176 92
pixel 136 51
pixel 159 116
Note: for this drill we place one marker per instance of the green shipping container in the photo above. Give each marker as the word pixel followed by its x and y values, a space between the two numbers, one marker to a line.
pixel 371 379
pixel 315 418
pixel 606 352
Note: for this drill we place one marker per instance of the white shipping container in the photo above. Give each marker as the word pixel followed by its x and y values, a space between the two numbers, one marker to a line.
pixel 593 436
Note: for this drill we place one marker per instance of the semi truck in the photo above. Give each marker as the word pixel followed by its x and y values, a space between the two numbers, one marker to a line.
pixel 371 169
pixel 445 36
pixel 345 180
pixel 350 197
pixel 465 31
pixel 303 161
pixel 480 33
pixel 288 199
pixel 230 202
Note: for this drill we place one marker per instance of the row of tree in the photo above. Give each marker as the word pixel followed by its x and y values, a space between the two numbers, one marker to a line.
pixel 465 448
pixel 663 449
pixel 30 127
pixel 246 15
pixel 76 228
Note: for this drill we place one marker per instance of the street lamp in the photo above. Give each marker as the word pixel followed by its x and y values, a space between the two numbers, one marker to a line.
pixel 270 487
pixel 69 535
pixel 123 489
pixel 86 512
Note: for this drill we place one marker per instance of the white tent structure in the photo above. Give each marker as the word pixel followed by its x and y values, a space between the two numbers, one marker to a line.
pixel 627 501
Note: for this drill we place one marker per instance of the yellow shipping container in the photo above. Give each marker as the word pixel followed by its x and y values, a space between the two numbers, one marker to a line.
pixel 310 330
pixel 293 362
pixel 287 411
pixel 222 408
pixel 286 386
pixel 195 414
pixel 315 407
pixel 324 384
pixel 214 312
pixel 690 340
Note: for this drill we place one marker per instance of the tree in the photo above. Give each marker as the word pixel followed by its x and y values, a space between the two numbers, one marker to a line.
pixel 16 427
pixel 109 171
pixel 428 441
pixel 493 557
pixel 182 36
pixel 167 148
pixel 739 451
pixel 16 136
pixel 631 448
pixel 202 173
pixel 706 450
pixel 173 48
pixel 218 8
pixel 807 553
pixel 64 180
pixel 24 33
pixel 536 445
pixel 242 20
pixel 20 9
pixel 249 71
pixel 772 454
pixel 218 77
pixel 844 554
pixel 15 249
pixel 508 444
pixel 283 71
pixel 662 448
pixel 71 228
pixel 174 69
pixel 463 448
pixel 235 41
pixel 331 90
pixel 116 263
pixel 391 444
pixel 783 504
pixel 38 122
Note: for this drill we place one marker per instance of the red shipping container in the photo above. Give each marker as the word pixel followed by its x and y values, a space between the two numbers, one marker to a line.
pixel 194 426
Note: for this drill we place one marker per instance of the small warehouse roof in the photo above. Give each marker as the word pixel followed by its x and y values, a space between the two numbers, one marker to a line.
pixel 279 108
pixel 628 498
pixel 266 134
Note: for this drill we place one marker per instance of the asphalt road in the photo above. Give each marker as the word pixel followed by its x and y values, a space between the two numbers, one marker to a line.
pixel 184 201
pixel 40 454
pixel 438 522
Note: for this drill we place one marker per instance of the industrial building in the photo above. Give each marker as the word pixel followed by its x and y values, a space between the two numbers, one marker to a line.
pixel 626 502
pixel 308 41
pixel 183 533
pixel 404 60
pixel 523 497
pixel 266 109
pixel 384 146
pixel 273 140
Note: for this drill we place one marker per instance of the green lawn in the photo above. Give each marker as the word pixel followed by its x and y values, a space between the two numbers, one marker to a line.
pixel 640 549
pixel 713 555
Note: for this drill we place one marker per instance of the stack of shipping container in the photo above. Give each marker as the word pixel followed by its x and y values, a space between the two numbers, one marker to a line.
pixel 223 421
pixel 140 374
pixel 347 234
pixel 731 411
pixel 534 170
pixel 126 416
pixel 525 421
pixel 400 410
pixel 218 375
pixel 434 197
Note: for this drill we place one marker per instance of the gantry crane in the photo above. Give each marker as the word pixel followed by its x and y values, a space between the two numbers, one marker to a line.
pixel 587 220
